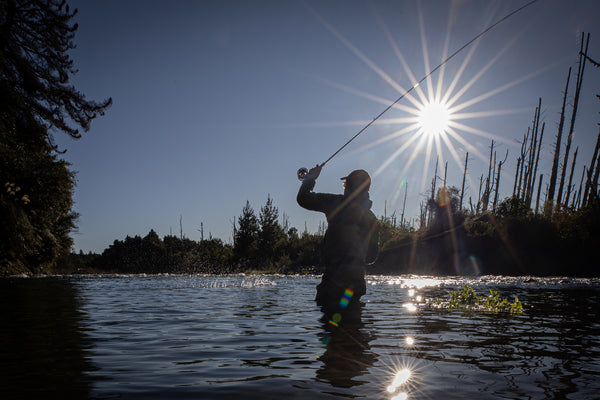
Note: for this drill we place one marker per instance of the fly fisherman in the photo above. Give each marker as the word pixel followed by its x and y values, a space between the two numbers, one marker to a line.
pixel 351 240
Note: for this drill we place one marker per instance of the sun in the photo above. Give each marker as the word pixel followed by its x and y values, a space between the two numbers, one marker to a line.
pixel 434 118
pixel 432 122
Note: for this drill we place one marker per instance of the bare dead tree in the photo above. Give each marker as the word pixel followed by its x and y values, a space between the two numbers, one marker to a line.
pixel 568 195
pixel 516 177
pixel 522 158
pixel 590 170
pixel 537 201
pixel 493 180
pixel 498 180
pixel 181 227
pixel 594 184
pixel 385 212
pixel 433 185
pixel 537 157
pixel 578 202
pixel 234 229
pixel 573 117
pixel 479 193
pixel 404 205
pixel 532 148
pixel 490 165
pixel 422 214
pixel 445 173
pixel 554 174
pixel 462 189
pixel 488 190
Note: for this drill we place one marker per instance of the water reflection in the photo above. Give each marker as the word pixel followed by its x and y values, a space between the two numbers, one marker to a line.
pixel 236 337
pixel 347 354
pixel 550 351
pixel 44 348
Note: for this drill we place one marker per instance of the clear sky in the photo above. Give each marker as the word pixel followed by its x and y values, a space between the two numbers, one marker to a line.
pixel 219 102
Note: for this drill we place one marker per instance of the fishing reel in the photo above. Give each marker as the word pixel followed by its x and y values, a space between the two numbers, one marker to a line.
pixel 302 172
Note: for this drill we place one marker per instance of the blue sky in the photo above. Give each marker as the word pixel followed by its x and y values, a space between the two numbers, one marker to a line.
pixel 219 102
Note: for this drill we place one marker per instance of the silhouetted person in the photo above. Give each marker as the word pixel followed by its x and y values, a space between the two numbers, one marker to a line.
pixel 351 240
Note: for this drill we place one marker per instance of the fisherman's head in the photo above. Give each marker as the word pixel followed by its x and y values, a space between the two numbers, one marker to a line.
pixel 358 181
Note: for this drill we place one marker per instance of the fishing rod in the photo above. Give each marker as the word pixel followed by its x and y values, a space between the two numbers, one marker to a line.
pixel 302 172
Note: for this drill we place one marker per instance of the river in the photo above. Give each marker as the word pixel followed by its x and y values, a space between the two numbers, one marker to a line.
pixel 262 337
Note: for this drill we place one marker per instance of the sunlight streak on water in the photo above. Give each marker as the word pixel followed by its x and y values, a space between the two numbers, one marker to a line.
pixel 400 379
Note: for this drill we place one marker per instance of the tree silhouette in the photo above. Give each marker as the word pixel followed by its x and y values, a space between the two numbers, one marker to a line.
pixel 36 97
pixel 270 231
pixel 35 67
pixel 246 235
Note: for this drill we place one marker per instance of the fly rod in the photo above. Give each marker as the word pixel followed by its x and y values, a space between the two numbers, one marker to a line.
pixel 303 171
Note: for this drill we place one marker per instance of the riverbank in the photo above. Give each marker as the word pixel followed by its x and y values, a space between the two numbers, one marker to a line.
pixel 507 242
pixel 497 244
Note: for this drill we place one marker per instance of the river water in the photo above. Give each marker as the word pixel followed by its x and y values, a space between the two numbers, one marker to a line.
pixel 262 337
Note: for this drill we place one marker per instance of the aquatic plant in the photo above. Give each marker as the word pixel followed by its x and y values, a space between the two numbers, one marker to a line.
pixel 467 299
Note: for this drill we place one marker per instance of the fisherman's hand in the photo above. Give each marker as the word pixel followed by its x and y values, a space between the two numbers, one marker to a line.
pixel 314 172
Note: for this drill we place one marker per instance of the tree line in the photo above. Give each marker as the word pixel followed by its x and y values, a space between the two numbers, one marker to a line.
pixel 262 242
pixel 510 239
pixel 37 99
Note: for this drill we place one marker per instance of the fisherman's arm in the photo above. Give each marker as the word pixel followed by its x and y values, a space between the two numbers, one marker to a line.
pixel 306 198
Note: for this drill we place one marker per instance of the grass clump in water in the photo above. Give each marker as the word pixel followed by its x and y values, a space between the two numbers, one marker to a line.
pixel 467 299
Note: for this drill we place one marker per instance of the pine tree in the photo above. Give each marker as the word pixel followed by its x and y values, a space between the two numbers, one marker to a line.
pixel 270 231
pixel 245 246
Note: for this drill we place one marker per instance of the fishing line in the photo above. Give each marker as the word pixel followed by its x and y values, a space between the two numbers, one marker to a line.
pixel 303 171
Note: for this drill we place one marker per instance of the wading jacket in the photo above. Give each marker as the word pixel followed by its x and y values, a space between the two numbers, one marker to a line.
pixel 353 229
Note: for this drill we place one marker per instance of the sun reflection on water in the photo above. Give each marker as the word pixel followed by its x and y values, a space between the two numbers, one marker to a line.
pixel 411 283
pixel 400 379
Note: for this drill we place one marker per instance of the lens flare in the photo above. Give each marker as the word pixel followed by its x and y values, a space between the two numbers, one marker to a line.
pixel 335 319
pixel 346 297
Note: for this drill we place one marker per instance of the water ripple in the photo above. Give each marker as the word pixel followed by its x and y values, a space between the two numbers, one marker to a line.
pixel 261 336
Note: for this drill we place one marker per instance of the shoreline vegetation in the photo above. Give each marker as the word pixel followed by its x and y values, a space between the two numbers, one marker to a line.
pixel 527 233
pixel 509 241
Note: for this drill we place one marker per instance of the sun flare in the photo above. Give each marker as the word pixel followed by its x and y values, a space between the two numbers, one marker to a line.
pixel 434 118
pixel 432 122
